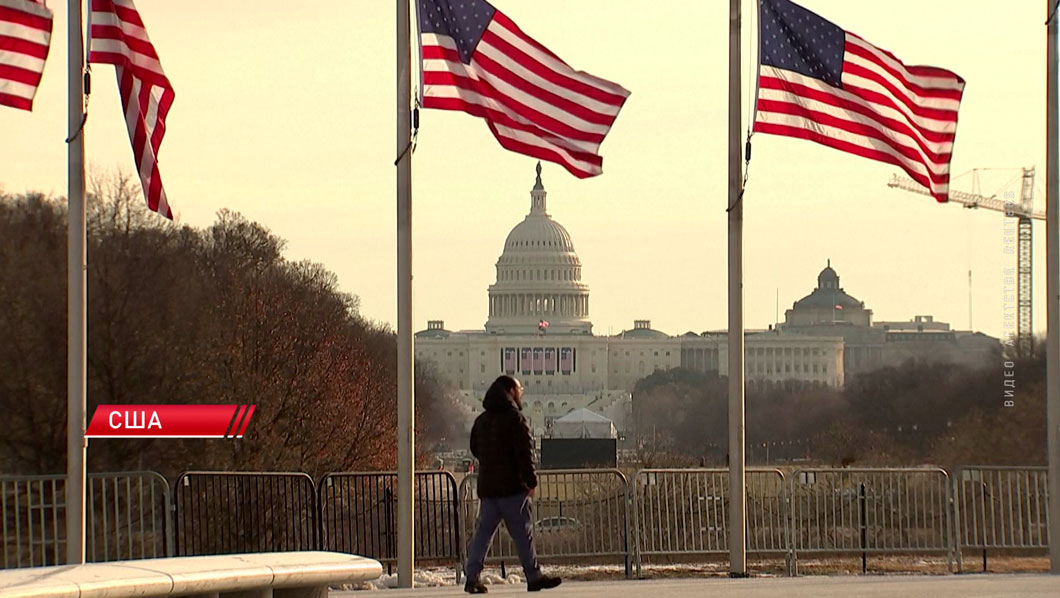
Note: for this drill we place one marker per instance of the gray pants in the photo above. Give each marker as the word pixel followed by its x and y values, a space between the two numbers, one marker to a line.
pixel 517 513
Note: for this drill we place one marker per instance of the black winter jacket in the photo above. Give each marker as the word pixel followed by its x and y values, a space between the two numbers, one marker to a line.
pixel 501 441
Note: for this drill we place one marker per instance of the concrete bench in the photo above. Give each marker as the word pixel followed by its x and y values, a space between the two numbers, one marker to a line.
pixel 259 575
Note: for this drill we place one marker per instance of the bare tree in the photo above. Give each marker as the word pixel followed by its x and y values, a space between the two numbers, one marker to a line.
pixel 179 315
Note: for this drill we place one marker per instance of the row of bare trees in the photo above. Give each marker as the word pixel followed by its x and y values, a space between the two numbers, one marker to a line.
pixel 183 315
pixel 919 412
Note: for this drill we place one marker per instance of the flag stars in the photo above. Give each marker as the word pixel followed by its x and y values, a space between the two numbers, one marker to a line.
pixel 463 22
pixel 798 40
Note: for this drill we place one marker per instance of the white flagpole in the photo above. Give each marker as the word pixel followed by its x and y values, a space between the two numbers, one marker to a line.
pixel 76 305
pixel 1052 280
pixel 406 398
pixel 737 494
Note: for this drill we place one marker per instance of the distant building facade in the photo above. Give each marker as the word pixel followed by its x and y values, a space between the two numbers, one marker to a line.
pixel 539 330
pixel 829 311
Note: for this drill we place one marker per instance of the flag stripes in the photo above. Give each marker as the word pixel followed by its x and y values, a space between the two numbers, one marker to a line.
pixel 118 37
pixel 25 38
pixel 533 102
pixel 879 108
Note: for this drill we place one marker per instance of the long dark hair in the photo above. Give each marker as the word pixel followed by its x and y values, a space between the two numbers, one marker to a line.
pixel 503 389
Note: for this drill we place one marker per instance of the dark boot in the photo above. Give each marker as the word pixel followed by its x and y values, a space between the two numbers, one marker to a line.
pixel 544 582
pixel 474 586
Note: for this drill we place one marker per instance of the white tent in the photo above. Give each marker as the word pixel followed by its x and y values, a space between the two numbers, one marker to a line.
pixel 582 423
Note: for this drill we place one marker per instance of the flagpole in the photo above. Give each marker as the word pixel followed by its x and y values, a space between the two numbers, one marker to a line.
pixel 1052 280
pixel 405 395
pixel 76 304
pixel 737 498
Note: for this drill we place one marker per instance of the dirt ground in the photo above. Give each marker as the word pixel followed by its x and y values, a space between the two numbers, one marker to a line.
pixel 437 574
pixel 830 565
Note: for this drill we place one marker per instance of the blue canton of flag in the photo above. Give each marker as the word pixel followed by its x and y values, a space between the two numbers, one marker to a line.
pixel 803 42
pixel 464 26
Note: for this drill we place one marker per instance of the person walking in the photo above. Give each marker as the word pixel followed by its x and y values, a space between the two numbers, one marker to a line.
pixel 501 441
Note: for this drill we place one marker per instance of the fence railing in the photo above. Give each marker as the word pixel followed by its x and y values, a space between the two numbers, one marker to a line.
pixel 236 512
pixel 357 515
pixel 125 518
pixel 578 513
pixel 1000 508
pixel 870 511
pixel 686 512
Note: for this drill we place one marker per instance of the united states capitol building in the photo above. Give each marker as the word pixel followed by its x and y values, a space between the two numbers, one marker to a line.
pixel 539 330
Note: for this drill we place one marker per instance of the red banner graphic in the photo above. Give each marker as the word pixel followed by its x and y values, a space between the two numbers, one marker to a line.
pixel 170 421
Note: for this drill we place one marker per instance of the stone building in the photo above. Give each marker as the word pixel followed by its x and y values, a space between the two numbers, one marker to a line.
pixel 539 329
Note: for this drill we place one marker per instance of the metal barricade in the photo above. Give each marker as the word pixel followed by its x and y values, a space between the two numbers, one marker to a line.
pixel 236 512
pixel 126 517
pixel 578 514
pixel 686 512
pixel 357 515
pixel 870 511
pixel 1000 508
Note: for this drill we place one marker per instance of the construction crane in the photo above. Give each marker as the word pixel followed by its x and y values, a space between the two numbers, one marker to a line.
pixel 1024 212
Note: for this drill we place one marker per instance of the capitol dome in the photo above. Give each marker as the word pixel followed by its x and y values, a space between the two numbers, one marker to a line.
pixel 540 235
pixel 538 288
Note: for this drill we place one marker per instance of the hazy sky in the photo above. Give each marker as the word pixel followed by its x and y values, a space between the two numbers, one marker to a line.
pixel 285 113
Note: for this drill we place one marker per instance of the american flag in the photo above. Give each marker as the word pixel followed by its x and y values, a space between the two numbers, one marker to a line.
pixel 509 360
pixel 550 360
pixel 525 361
pixel 819 82
pixel 25 36
pixel 118 37
pixel 566 360
pixel 476 60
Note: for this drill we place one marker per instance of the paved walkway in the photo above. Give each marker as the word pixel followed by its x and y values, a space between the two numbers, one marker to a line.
pixel 912 586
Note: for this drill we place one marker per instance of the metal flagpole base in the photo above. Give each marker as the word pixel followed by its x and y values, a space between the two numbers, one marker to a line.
pixel 739 575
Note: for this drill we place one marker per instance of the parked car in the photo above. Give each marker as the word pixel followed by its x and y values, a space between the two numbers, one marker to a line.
pixel 556 524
